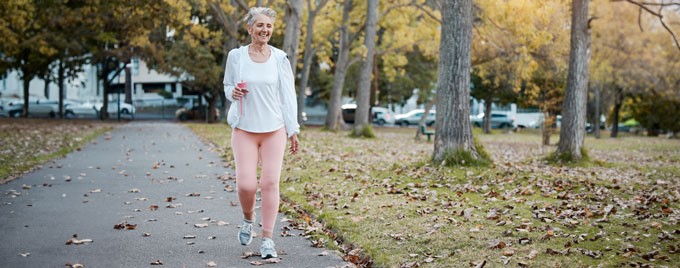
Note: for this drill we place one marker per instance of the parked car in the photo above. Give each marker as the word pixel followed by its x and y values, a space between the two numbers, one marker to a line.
pixel 194 113
pixel 498 120
pixel 413 117
pixel 11 107
pixel 37 106
pixel 125 108
pixel 73 108
pixel 379 115
pixel 382 116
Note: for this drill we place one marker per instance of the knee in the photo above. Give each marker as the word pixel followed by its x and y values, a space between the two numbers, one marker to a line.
pixel 246 188
pixel 269 185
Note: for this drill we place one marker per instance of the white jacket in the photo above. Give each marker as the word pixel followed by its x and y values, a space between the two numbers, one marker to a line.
pixel 235 60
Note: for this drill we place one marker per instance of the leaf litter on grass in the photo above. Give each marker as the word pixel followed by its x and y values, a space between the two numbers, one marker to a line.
pixel 546 215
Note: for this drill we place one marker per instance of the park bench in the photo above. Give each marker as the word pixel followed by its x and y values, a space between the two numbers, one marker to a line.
pixel 424 131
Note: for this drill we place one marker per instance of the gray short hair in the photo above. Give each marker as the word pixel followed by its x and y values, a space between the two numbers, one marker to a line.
pixel 254 11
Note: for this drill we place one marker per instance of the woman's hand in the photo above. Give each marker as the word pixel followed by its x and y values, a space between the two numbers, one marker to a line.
pixel 294 144
pixel 238 93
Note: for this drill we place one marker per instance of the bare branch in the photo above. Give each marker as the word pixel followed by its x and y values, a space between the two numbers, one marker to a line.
pixel 429 14
pixel 222 18
pixel 645 6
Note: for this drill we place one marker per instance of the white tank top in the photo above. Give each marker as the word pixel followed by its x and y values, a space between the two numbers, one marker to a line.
pixel 262 105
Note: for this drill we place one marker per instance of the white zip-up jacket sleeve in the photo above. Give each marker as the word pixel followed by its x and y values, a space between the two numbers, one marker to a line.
pixel 230 72
pixel 287 91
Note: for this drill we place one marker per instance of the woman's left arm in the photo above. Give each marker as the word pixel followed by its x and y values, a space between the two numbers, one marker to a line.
pixel 288 98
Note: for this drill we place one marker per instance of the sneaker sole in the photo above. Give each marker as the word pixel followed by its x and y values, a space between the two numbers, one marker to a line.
pixel 247 243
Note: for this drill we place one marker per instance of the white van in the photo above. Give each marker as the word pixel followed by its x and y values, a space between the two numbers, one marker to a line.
pixel 379 115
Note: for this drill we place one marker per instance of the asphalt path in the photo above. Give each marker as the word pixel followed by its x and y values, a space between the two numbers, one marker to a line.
pixel 171 195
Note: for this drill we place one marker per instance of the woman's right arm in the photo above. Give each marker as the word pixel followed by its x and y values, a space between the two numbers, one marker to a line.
pixel 230 72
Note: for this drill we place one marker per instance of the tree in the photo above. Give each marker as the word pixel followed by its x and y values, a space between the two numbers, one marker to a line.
pixel 24 47
pixel 342 62
pixel 361 120
pixel 454 143
pixel 309 52
pixel 117 32
pixel 572 134
pixel 291 36
pixel 66 35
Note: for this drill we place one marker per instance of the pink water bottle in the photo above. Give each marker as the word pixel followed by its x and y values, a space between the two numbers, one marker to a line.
pixel 242 85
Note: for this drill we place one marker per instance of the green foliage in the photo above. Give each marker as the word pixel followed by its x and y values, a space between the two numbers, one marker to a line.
pixel 366 132
pixel 569 159
pixel 165 94
pixel 420 72
pixel 656 113
pixel 462 157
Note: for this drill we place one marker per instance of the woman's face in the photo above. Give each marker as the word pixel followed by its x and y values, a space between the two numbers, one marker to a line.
pixel 261 31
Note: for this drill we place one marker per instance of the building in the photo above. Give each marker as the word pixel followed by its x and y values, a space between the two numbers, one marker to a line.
pixel 147 83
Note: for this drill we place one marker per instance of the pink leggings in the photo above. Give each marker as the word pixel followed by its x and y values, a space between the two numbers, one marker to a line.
pixel 271 147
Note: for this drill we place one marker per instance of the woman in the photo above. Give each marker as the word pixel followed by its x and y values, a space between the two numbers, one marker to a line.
pixel 259 82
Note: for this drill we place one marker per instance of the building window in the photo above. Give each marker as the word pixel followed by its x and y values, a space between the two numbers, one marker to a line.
pixel 153 87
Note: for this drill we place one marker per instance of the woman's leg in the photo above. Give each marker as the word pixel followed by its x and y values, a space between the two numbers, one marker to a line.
pixel 245 147
pixel 272 150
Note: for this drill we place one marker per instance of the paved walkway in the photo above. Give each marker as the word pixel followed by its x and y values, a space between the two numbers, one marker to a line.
pixel 156 177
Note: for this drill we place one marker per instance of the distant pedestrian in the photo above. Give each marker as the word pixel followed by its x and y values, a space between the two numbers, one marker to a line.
pixel 259 82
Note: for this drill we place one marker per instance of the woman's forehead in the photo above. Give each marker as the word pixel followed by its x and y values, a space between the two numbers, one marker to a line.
pixel 261 18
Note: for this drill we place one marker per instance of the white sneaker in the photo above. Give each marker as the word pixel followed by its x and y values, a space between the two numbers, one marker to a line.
pixel 267 249
pixel 245 233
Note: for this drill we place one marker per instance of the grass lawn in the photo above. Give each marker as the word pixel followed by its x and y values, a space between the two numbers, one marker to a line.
pixel 382 199
pixel 27 143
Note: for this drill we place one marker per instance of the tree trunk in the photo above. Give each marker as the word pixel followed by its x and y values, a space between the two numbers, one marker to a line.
pixel 334 116
pixel 572 133
pixel 618 102
pixel 486 123
pixel 291 37
pixel 361 117
pixel 128 82
pixel 47 86
pixel 596 121
pixel 26 78
pixel 548 122
pixel 103 76
pixel 211 114
pixel 60 82
pixel 308 55
pixel 454 133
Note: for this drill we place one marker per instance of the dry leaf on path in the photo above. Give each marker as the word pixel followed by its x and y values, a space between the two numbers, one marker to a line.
pixel 212 264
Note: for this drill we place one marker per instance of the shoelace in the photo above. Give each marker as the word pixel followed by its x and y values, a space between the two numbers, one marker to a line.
pixel 247 227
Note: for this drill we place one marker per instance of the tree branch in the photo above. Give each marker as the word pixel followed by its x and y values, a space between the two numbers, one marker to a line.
pixel 645 6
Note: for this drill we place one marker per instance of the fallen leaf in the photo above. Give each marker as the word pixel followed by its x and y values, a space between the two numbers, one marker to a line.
pixel 532 254
pixel 496 244
pixel 157 262
pixel 201 225
pixel 76 241
pixel 212 264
